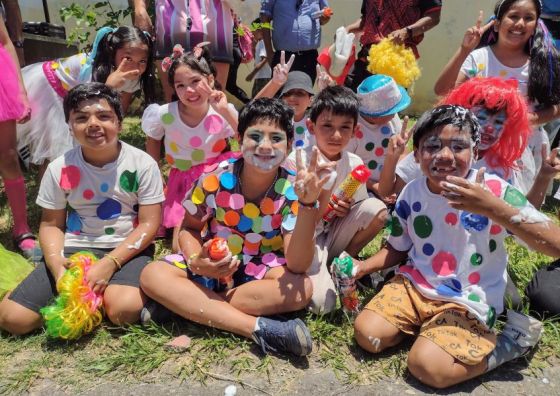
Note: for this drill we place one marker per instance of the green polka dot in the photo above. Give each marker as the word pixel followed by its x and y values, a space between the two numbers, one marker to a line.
pixel 491 317
pixel 370 146
pixel 129 181
pixel 182 164
pixel 476 259
pixel 422 226
pixel 109 231
pixel 472 72
pixel 395 227
pixel 515 197
pixel 281 186
pixel 385 142
pixel 300 130
pixel 372 164
pixel 286 211
pixel 266 249
pixel 220 213
pixel 257 225
pixel 198 155
pixel 492 245
pixel 167 118
pixel 474 297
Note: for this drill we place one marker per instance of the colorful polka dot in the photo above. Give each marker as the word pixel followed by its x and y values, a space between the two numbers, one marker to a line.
pixel 222 199
pixel 183 164
pixel 73 222
pixel 300 130
pixel 170 160
pixel 446 290
pixel 220 214
pixel 235 243
pixel 359 134
pixel 219 146
pixel 236 201
pixel 251 210
pixel 385 142
pixel 211 201
pixel 104 187
pixel 476 259
pixel 190 207
pixel 379 152
pixel 385 130
pixel 403 209
pixel 213 124
pixel 245 224
pixel 370 146
pixel 495 186
pixel 69 177
pixel 109 209
pixel 503 73
pixel 210 167
pixel 473 221
pixel 109 231
pixel 395 227
pixel 417 206
pixel 416 276
pixel 231 218
pixel 198 196
pixel 210 183
pixel 281 186
pixel 88 194
pixel 474 278
pixel 514 197
pixel 289 222
pixel 195 141
pixel 372 164
pixel 267 206
pixel 291 194
pixel 495 229
pixel 276 220
pixel 444 263
pixel 422 226
pixel 428 249
pixel 451 218
pixel 129 181
pixel 257 225
pixel 167 118
pixel 173 147
pixel 198 155
pixel 474 297
pixel 492 245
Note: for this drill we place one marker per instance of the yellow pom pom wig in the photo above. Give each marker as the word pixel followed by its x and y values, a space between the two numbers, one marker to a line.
pixel 394 60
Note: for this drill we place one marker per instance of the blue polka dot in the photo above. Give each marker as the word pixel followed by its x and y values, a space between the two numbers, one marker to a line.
pixel 403 209
pixel 104 187
pixel 290 172
pixel 417 206
pixel 291 194
pixel 428 249
pixel 271 234
pixel 299 143
pixel 445 290
pixel 228 180
pixel 289 222
pixel 456 284
pixel 110 209
pixel 385 130
pixel 73 222
pixel 232 160
pixel 244 224
pixel 473 222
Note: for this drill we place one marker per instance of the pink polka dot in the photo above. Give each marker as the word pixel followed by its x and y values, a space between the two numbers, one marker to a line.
pixel 379 151
pixel 175 136
pixel 276 221
pixel 451 218
pixel 495 186
pixel 195 141
pixel 278 203
pixel 222 199
pixel 416 276
pixel 213 124
pixel 236 201
pixel 359 134
pixel 474 278
pixel 69 177
pixel 88 194
pixel 210 168
pixel 444 263
pixel 495 229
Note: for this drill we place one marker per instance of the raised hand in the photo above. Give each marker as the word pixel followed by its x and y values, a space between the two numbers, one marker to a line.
pixel 323 78
pixel 550 163
pixel 463 194
pixel 123 73
pixel 472 36
pixel 281 70
pixel 398 142
pixel 309 183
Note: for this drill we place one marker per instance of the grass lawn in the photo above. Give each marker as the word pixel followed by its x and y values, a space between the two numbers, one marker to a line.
pixel 137 354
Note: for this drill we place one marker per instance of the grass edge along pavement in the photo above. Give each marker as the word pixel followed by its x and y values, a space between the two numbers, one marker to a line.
pixel 137 354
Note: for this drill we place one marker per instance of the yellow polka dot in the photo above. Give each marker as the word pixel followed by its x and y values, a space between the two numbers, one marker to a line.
pixel 251 210
pixel 197 196
pixel 67 70
pixel 55 65
pixel 235 244
pixel 83 60
pixel 173 147
pixel 481 66
pixel 220 213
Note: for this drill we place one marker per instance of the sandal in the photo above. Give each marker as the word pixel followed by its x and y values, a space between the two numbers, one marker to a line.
pixel 34 254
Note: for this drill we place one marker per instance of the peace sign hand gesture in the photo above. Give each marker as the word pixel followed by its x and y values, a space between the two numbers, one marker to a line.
pixel 124 72
pixel 472 36
pixel 398 142
pixel 309 183
pixel 281 70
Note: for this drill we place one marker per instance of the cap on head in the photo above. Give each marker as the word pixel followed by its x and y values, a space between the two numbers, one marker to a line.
pixel 381 96
pixel 298 80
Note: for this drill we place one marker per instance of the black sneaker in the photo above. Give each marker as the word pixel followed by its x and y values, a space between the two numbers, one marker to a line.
pixel 154 312
pixel 291 336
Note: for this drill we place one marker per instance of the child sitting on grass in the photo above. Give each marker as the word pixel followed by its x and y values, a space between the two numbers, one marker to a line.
pixel 103 196
pixel 449 230
pixel 332 123
pixel 252 203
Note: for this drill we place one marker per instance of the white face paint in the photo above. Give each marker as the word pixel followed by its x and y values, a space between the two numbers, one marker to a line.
pixel 264 146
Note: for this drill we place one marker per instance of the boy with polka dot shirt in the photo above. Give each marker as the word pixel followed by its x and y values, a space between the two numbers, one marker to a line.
pixel 448 229
pixel 103 196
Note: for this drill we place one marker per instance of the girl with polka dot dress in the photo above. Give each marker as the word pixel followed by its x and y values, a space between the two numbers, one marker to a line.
pixel 448 229
pixel 514 44
pixel 120 57
pixel 195 128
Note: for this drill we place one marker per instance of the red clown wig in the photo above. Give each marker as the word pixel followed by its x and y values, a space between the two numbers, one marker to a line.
pixel 497 94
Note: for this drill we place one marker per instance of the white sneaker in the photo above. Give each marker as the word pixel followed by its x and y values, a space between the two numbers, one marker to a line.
pixel 525 330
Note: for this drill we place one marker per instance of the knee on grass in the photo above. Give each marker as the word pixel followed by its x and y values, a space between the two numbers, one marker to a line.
pixel 427 371
pixel 373 334
pixel 18 321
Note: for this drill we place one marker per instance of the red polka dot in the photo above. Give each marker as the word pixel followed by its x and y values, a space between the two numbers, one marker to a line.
pixel 69 177
pixel 495 229
pixel 451 218
pixel 474 278
pixel 495 186
pixel 359 133
pixel 444 263
pixel 222 199
pixel 88 194
pixel 379 151
pixel 219 146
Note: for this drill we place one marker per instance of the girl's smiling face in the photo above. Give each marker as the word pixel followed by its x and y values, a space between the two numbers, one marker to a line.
pixel 517 24
pixel 192 87
pixel 264 146
pixel 136 55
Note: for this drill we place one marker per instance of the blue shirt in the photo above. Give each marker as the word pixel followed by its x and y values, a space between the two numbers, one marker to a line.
pixel 294 28
pixel 551 7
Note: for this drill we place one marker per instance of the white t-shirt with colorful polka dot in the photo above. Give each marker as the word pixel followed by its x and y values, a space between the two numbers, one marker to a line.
pixel 302 137
pixel 102 203
pixel 454 255
pixel 252 229
pixel 186 146
pixel 370 143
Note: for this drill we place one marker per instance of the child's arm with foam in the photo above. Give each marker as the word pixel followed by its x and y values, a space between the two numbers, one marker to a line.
pixel 527 223
pixel 51 237
pixel 549 169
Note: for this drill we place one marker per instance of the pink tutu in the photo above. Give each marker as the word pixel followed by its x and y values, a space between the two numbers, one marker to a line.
pixel 11 105
pixel 180 182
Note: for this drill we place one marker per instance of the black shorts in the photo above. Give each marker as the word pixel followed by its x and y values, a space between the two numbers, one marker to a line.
pixel 39 288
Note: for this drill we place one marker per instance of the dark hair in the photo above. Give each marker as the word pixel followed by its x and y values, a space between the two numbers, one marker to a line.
pixel 104 61
pixel 92 90
pixel 202 65
pixel 443 115
pixel 338 100
pixel 544 59
pixel 267 109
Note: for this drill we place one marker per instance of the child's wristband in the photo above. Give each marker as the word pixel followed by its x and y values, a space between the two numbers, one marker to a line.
pixel 114 260
pixel 191 258
pixel 312 205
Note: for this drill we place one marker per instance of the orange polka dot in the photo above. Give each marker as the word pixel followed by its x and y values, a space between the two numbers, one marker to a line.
pixel 231 218
pixel 219 146
pixel 211 183
pixel 170 160
pixel 503 73
pixel 295 207
pixel 267 206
